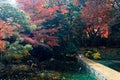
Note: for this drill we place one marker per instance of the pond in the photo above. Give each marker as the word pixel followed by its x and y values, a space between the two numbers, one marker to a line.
pixel 53 70
pixel 78 76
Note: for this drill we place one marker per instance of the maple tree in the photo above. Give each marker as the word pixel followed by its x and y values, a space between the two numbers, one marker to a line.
pixel 47 36
pixel 96 15
pixel 44 36
pixel 6 31
pixel 38 14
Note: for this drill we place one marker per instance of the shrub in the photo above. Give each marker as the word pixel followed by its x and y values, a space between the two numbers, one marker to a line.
pixel 92 53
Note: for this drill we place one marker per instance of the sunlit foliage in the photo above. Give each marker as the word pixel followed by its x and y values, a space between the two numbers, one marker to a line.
pixel 93 53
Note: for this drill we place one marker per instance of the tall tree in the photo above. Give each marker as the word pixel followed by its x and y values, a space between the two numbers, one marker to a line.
pixel 38 14
pixel 96 15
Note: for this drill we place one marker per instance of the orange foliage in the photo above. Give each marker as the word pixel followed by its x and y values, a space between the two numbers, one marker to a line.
pixel 104 31
pixel 47 36
pixel 52 43
pixel 38 12
pixel 44 14
pixel 2 45
pixel 29 40
pixel 96 15
pixel 6 31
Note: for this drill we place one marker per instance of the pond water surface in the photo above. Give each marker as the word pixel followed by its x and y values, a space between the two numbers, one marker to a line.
pixel 53 70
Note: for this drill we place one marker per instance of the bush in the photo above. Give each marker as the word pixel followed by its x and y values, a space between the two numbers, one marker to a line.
pixel 92 53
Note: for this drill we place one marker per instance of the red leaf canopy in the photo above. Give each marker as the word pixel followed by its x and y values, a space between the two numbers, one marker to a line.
pixel 96 15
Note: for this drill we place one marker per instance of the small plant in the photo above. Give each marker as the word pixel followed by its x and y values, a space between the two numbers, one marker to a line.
pixel 16 51
pixel 92 53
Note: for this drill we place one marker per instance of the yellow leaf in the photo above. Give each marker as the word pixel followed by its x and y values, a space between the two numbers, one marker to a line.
pixel 96 55
pixel 17 56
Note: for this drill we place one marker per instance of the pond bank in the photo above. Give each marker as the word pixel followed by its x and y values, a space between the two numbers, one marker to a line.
pixel 100 71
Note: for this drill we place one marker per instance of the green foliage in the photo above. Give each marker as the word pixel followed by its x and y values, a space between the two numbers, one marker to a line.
pixel 71 7
pixel 16 51
pixel 114 40
pixel 13 15
pixel 70 34
pixel 92 53
pixel 110 53
pixel 72 15
pixel 14 48
pixel 71 49
pixel 32 27
pixel 28 47
pixel 74 20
